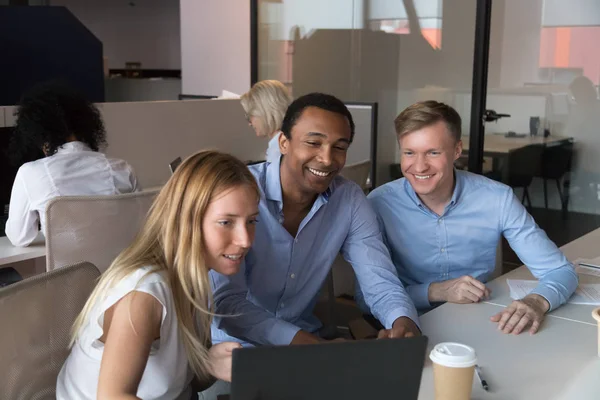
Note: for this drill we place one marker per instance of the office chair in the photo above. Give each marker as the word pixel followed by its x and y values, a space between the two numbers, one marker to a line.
pixel 395 171
pixel 523 165
pixel 37 314
pixel 93 228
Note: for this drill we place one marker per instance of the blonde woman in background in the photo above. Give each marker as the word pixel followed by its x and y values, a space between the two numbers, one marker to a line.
pixel 145 330
pixel 265 105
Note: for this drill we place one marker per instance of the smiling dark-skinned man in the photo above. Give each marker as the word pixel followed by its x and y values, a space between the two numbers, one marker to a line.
pixel 308 214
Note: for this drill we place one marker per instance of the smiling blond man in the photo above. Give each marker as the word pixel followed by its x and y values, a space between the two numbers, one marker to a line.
pixel 442 225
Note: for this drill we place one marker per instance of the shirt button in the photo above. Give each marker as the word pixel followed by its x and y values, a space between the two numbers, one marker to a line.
pixel 292 276
pixel 281 306
pixel 442 249
pixel 440 220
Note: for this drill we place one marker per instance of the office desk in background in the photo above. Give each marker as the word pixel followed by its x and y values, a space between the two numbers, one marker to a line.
pixel 500 148
pixel 10 254
pixel 498 145
pixel 28 261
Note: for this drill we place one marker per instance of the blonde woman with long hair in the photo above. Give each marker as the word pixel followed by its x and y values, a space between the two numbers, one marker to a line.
pixel 265 105
pixel 145 330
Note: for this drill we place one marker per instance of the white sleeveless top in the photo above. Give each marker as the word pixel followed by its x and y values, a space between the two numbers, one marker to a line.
pixel 167 375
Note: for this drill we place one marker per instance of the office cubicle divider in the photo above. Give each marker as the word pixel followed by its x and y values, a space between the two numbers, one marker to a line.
pixel 149 135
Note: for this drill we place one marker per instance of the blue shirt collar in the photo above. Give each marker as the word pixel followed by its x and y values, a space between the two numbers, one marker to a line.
pixel 458 188
pixel 273 189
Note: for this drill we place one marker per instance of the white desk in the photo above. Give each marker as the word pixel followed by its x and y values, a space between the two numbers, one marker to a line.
pixel 10 254
pixel 560 358
pixel 583 247
pixel 559 362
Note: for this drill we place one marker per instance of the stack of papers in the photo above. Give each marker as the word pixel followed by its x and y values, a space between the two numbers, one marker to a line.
pixel 585 294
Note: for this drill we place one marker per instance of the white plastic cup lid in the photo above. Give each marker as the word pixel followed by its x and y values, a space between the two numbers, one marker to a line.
pixel 453 355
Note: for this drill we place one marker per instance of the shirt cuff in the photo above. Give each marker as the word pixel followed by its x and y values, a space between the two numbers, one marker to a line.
pixel 419 295
pixel 282 333
pixel 402 312
pixel 549 294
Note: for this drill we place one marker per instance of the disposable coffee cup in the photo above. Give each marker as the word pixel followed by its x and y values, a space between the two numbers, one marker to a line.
pixel 596 315
pixel 453 369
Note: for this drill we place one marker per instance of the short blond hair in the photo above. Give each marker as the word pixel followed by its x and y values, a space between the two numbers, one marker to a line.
pixel 267 100
pixel 426 113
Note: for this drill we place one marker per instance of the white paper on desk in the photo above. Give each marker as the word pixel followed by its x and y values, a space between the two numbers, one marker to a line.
pixel 585 294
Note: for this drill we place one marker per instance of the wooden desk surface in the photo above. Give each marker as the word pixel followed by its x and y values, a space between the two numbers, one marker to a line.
pixel 10 254
pixel 499 144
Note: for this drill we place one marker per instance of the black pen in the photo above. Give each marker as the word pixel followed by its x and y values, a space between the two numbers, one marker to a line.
pixel 481 378
pixel 586 265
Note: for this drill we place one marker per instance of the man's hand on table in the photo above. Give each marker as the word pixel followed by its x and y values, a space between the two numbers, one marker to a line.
pixel 463 290
pixel 530 310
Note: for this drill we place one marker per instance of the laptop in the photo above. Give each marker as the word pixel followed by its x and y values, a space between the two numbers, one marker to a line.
pixel 353 370
pixel 174 164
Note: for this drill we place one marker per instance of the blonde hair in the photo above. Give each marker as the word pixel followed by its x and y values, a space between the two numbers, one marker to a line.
pixel 171 242
pixel 426 113
pixel 267 100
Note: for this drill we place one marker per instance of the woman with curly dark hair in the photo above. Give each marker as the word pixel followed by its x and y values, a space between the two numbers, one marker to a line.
pixel 68 129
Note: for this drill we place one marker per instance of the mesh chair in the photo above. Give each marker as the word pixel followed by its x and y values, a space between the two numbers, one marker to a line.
pixel 37 315
pixel 93 228
pixel 358 173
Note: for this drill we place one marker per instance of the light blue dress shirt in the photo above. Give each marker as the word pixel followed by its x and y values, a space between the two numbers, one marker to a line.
pixel 426 247
pixel 274 294
pixel 273 152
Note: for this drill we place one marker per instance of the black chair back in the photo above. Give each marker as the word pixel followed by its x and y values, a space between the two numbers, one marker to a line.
pixel 524 164
pixel 556 161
